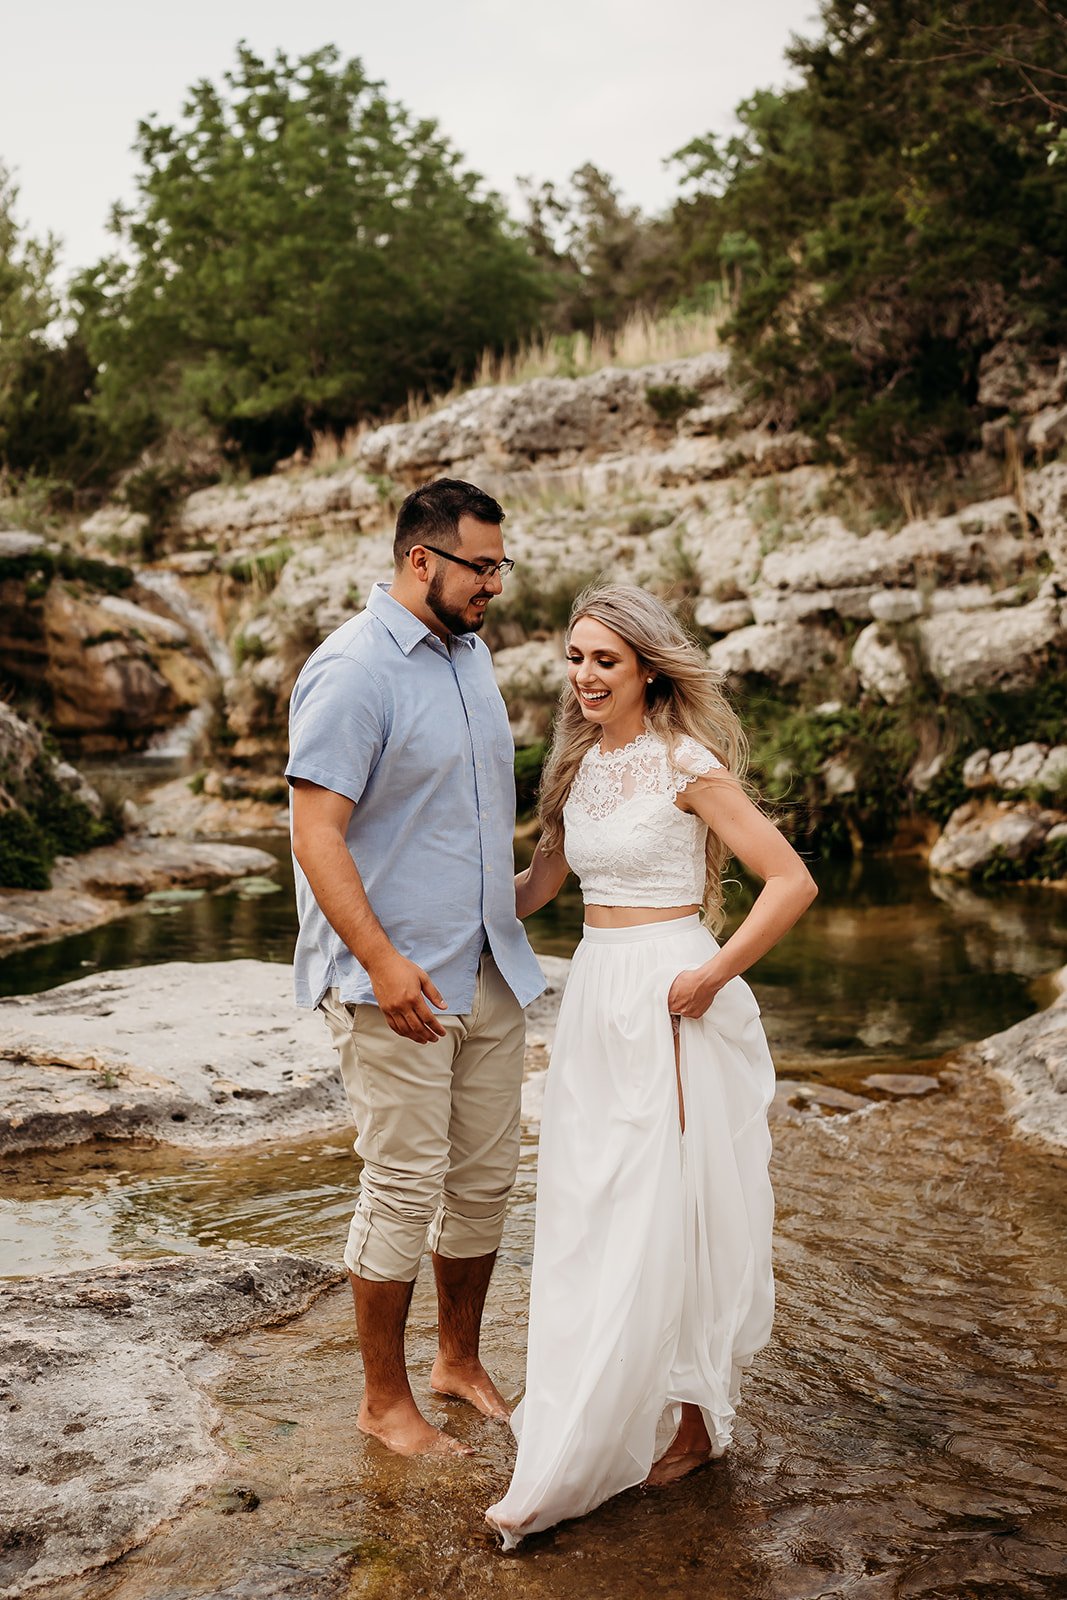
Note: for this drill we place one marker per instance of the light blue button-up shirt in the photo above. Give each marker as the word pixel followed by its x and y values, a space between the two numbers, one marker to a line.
pixel 417 735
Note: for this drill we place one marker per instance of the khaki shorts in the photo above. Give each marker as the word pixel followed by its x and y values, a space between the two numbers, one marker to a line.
pixel 437 1129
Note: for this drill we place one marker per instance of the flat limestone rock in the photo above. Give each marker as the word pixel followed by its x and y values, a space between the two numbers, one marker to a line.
pixel 107 1430
pixel 188 1053
pixel 1030 1060
pixel 100 885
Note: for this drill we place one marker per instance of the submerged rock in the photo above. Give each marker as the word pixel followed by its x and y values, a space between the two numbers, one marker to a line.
pixel 107 1430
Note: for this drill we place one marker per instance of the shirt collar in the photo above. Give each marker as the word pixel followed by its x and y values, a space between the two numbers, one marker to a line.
pixel 403 624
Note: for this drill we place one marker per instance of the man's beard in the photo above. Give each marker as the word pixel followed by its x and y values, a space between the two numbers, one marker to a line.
pixel 454 621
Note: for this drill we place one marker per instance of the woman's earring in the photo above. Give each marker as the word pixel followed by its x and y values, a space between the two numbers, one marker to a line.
pixel 650 680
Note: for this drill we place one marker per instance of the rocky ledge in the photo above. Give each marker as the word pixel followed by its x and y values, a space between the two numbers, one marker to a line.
pixel 1030 1060
pixel 107 1429
pixel 100 886
pixel 187 1053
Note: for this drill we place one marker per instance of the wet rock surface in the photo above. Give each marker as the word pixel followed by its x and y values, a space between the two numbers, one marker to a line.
pixel 192 1054
pixel 1031 1061
pixel 899 1437
pixel 93 888
pixel 107 1428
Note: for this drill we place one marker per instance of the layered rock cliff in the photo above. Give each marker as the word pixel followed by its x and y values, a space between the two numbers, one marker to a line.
pixel 879 658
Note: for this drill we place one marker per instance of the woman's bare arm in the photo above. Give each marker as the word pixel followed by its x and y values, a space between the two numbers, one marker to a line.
pixel 788 888
pixel 541 882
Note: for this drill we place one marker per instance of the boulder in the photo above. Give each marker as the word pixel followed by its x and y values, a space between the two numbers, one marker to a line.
pixel 116 526
pixel 1046 498
pixel 987 542
pixel 1011 379
pixel 1003 649
pixel 1048 430
pixel 1039 767
pixel 882 665
pixel 722 616
pixel 784 652
pixel 977 834
pixel 510 427
pixel 107 1428
pixel 274 506
pixel 896 605
pixel 533 671
pixel 806 604
pixel 1030 1060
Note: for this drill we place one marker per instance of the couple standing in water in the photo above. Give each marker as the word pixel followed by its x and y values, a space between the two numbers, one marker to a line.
pixel 651 1284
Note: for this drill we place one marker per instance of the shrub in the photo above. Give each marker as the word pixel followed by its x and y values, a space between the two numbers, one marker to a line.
pixel 670 401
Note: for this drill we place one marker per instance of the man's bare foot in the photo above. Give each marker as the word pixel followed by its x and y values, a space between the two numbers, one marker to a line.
pixel 404 1430
pixel 468 1380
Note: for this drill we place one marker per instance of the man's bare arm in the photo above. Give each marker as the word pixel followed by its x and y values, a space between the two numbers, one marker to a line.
pixel 320 821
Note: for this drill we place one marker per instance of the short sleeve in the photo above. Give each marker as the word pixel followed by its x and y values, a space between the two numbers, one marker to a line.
pixel 691 761
pixel 337 725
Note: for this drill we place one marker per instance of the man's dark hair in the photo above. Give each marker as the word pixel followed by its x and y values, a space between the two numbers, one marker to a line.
pixel 431 513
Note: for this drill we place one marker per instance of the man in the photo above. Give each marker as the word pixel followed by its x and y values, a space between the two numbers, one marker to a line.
pixel 403 808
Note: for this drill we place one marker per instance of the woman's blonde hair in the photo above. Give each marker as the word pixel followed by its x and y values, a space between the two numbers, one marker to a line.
pixel 684 697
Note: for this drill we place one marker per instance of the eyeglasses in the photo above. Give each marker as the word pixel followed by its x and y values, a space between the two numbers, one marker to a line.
pixel 484 569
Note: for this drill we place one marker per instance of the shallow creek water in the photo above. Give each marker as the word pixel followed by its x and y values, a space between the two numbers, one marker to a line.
pixel 904 1435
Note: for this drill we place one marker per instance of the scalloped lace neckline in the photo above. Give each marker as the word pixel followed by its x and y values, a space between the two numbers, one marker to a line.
pixel 624 749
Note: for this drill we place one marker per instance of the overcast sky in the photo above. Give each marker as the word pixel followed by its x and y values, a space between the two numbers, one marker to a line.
pixel 530 89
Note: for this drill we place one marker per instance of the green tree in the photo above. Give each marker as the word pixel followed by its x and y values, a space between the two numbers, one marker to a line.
pixel 303 253
pixel 889 219
pixel 603 259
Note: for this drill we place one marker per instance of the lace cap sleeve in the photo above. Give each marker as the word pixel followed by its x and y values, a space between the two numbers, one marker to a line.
pixel 692 761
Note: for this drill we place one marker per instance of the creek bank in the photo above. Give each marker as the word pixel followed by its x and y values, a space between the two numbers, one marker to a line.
pixel 108 1430
pixel 187 1053
pixel 101 885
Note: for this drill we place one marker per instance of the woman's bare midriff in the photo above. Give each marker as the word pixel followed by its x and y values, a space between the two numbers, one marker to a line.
pixel 631 916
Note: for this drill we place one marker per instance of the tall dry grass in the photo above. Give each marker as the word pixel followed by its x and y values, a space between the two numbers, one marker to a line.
pixel 641 341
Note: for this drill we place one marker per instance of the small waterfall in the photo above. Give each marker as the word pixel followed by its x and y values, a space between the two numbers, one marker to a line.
pixel 168 587
pixel 171 744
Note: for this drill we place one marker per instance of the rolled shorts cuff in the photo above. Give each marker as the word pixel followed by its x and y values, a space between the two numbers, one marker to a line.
pixel 461 1238
pixel 382 1252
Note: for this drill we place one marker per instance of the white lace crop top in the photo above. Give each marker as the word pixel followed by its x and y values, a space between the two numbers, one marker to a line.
pixel 623 834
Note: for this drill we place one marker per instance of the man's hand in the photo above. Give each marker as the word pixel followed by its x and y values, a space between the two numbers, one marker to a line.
pixel 401 990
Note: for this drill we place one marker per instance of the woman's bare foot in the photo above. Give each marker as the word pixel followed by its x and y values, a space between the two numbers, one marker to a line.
pixel 403 1429
pixel 689 1449
pixel 468 1380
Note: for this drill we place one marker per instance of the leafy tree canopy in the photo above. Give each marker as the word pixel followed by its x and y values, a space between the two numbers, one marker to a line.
pixel 303 253
pixel 892 217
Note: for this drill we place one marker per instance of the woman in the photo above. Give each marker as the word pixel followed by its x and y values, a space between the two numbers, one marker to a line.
pixel 651 1286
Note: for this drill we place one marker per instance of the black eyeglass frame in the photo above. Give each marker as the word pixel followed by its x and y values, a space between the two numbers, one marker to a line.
pixel 483 569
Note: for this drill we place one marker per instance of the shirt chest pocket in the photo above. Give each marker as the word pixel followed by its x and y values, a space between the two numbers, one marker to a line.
pixel 496 730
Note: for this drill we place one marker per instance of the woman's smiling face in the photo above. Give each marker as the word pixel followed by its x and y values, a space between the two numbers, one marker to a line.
pixel 608 679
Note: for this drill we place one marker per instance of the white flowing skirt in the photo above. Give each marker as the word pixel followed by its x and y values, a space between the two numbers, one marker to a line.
pixel 651 1282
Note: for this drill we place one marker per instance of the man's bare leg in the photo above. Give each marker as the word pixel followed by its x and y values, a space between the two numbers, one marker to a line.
pixel 461 1290
pixel 388 1411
